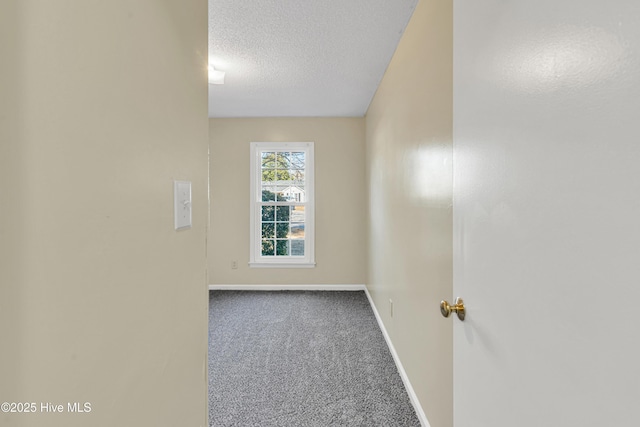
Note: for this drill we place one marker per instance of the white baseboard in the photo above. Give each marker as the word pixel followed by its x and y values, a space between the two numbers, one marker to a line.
pixel 403 374
pixel 345 287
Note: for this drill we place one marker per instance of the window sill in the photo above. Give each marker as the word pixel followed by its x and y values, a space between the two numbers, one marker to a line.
pixel 282 264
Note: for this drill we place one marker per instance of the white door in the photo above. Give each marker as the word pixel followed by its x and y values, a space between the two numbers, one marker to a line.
pixel 547 213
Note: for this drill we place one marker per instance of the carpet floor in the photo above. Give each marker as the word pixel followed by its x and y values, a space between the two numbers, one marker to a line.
pixel 301 358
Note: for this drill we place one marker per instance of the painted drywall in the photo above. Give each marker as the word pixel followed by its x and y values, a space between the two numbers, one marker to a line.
pixel 546 210
pixel 103 105
pixel 340 208
pixel 409 135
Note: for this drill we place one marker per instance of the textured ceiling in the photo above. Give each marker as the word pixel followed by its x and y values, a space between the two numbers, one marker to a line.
pixel 294 58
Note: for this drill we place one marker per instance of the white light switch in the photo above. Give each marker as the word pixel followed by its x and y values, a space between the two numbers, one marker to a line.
pixel 182 204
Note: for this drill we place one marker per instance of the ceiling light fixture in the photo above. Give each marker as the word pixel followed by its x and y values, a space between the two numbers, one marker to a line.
pixel 216 77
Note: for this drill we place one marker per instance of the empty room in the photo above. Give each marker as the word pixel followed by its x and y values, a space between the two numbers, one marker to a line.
pixel 330 213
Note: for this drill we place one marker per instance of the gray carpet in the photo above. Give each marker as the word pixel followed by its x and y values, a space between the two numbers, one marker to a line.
pixel 301 358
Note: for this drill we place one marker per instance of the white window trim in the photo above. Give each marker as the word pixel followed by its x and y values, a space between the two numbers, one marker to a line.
pixel 256 260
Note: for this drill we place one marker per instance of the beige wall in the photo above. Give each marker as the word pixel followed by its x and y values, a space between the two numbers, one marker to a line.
pixel 409 137
pixel 103 105
pixel 340 199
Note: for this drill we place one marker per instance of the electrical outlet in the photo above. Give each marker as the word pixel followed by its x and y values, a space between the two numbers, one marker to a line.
pixel 391 307
pixel 234 264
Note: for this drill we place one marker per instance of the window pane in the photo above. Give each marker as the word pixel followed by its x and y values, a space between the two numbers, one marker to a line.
pixel 297 231
pixel 267 247
pixel 268 159
pixel 268 213
pixel 282 230
pixel 281 195
pixel 282 213
pixel 282 247
pixel 268 176
pixel 292 193
pixel 297 247
pixel 282 160
pixel 268 194
pixel 296 177
pixel 268 230
pixel 282 175
pixel 297 160
pixel 297 214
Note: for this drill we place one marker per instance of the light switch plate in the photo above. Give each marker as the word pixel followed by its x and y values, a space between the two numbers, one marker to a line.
pixel 182 204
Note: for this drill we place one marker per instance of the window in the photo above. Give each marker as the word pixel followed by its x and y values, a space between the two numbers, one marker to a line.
pixel 282 205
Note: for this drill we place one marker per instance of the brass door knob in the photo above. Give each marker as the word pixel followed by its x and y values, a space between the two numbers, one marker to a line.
pixel 458 308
